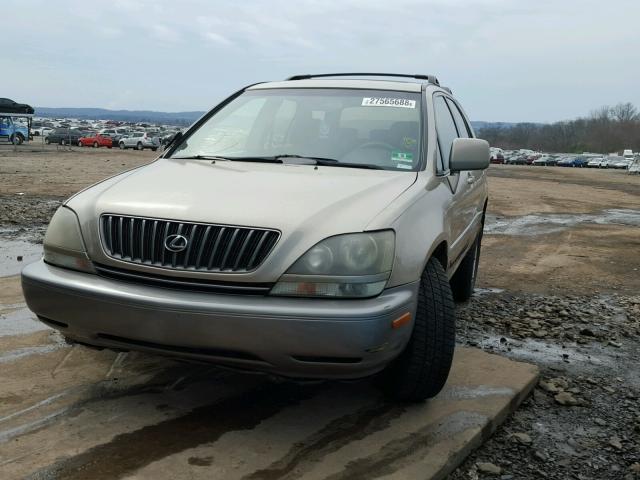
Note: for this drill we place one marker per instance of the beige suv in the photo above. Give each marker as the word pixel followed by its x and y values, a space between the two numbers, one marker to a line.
pixel 318 227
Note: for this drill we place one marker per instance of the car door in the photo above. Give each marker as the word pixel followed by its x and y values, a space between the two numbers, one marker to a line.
pixel 4 128
pixel 475 179
pixel 460 213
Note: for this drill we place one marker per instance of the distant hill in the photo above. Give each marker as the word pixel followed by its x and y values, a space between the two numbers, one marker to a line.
pixel 173 118
pixel 149 116
pixel 479 125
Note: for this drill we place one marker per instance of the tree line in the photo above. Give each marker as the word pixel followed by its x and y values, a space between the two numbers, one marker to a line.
pixel 605 130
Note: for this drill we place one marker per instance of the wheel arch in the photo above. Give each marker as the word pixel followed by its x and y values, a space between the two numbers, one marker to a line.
pixel 440 253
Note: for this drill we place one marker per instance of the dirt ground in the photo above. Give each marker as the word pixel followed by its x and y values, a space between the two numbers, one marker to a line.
pixel 559 286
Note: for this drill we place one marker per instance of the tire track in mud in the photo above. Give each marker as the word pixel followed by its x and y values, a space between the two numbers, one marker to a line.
pixel 73 399
pixel 335 435
pixel 399 452
pixel 128 452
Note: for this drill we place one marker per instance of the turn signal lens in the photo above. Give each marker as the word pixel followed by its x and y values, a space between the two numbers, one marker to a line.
pixel 401 321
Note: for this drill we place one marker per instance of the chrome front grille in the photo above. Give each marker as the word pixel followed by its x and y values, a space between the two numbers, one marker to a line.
pixel 209 248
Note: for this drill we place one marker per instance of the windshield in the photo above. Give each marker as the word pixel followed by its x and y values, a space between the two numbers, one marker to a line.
pixel 357 127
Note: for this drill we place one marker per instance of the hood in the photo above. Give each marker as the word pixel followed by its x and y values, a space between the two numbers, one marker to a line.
pixel 280 196
pixel 305 203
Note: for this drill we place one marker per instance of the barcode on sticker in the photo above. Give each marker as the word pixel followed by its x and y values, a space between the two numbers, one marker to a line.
pixel 388 102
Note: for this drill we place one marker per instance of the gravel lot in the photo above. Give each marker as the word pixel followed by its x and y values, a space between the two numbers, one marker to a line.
pixel 559 286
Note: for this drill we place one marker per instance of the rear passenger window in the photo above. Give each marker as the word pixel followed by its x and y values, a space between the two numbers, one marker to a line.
pixel 463 131
pixel 446 128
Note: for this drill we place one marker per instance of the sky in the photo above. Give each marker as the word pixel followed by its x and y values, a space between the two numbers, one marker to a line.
pixel 505 60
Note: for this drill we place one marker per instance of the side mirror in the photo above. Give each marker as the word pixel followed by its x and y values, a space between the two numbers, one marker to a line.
pixel 469 154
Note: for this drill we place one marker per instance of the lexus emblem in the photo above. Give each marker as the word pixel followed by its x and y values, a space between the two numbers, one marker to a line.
pixel 175 243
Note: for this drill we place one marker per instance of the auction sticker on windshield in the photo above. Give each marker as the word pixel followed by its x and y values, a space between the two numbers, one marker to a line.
pixel 402 157
pixel 388 102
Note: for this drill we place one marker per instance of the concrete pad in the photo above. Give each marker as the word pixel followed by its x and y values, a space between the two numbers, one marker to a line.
pixel 75 413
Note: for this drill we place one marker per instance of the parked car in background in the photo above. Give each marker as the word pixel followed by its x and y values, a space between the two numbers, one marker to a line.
pixel 168 138
pixel 139 141
pixel 64 136
pixel 497 158
pixel 41 131
pixel 580 161
pixel 607 162
pixel 628 154
pixel 573 162
pixel 622 164
pixel 544 160
pixel 595 162
pixel 9 106
pixel 517 160
pixel 12 132
pixel 497 155
pixel 96 140
pixel 110 132
pixel 531 158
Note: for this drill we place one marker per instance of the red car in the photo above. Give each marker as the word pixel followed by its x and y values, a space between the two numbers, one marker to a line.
pixel 95 140
pixel 497 158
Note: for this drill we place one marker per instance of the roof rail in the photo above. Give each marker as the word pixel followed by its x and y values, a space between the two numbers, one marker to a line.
pixel 428 78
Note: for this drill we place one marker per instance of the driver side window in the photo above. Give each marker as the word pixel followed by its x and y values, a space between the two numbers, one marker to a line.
pixel 446 128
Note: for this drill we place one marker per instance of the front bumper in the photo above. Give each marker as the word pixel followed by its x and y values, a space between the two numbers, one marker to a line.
pixel 309 338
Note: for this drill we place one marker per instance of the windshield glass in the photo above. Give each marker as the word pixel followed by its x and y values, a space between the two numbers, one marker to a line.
pixel 366 127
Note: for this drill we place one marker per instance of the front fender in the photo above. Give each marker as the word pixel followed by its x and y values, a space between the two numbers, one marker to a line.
pixel 420 229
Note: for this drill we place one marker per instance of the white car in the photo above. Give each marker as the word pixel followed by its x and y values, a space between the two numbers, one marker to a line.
pixel 41 131
pixel 139 141
pixel 607 162
pixel 544 160
pixel 595 162
pixel 622 164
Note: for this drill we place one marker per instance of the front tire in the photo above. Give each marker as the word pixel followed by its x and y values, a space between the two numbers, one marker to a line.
pixel 95 145
pixel 47 141
pixel 121 145
pixel 139 146
pixel 421 370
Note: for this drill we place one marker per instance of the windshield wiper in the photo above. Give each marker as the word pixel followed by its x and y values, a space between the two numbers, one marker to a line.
pixel 323 161
pixel 201 157
pixel 331 162
pixel 236 159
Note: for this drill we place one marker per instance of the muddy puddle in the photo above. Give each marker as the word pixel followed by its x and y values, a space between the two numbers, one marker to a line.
pixel 586 359
pixel 19 320
pixel 17 249
pixel 540 224
pixel 481 292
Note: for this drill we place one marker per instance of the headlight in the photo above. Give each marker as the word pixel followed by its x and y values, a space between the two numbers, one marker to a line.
pixel 63 245
pixel 352 265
